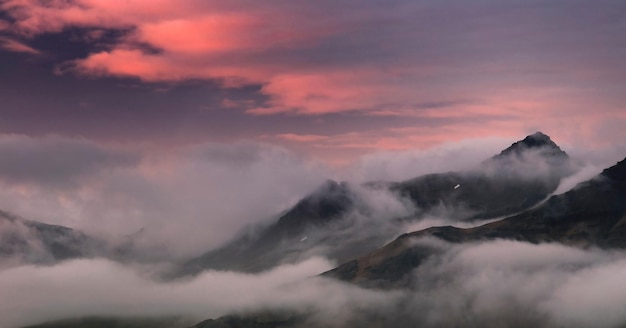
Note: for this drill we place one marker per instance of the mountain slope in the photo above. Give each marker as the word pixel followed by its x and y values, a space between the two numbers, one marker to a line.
pixel 40 243
pixel 514 180
pixel 518 178
pixel 252 253
pixel 592 214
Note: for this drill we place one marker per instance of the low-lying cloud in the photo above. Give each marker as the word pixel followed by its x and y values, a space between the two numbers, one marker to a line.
pixel 31 294
pixel 480 284
pixel 508 282
pixel 181 204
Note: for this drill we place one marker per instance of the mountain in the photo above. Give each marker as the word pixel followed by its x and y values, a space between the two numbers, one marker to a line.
pixel 518 178
pixel 39 243
pixel 591 214
pixel 258 320
pixel 337 220
pixel 325 221
pixel 326 204
pixel 104 322
pixel 539 141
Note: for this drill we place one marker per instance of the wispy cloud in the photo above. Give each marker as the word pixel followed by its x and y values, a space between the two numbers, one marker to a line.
pixel 187 202
pixel 16 46
pixel 300 137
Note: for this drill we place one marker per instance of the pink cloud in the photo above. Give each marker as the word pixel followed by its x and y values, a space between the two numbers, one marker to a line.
pixel 214 41
pixel 16 46
pixel 309 60
pixel 301 137
pixel 205 35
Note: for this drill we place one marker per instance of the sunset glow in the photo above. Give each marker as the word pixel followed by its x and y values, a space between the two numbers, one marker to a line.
pixel 393 75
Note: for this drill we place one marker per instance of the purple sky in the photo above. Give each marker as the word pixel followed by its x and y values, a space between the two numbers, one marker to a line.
pixel 334 80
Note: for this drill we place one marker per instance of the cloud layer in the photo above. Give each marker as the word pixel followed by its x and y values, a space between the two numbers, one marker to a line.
pixel 32 294
pixel 183 203
pixel 506 281
pixel 480 284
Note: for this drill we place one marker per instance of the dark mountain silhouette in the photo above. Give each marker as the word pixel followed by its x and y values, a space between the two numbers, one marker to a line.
pixel 40 243
pixel 253 253
pixel 591 214
pixel 258 320
pixel 517 179
pixel 538 140
pixel 514 180
pixel 26 241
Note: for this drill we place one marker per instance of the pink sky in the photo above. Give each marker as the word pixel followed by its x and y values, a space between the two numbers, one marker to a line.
pixel 429 72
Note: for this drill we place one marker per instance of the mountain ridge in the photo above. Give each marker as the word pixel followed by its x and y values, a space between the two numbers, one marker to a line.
pixel 42 243
pixel 493 190
pixel 591 214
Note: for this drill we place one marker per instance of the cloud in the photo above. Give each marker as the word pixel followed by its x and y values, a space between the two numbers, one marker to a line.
pixel 300 137
pixel 406 145
pixel 405 164
pixel 56 161
pixel 184 203
pixel 590 298
pixel 32 294
pixel 478 284
pixel 584 173
pixel 16 46
pixel 506 281
pixel 500 283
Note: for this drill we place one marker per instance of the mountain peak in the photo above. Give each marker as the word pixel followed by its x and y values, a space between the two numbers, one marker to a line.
pixel 537 140
pixel 539 136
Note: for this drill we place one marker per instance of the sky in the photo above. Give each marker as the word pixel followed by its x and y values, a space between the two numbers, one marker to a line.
pixel 170 115
pixel 332 80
